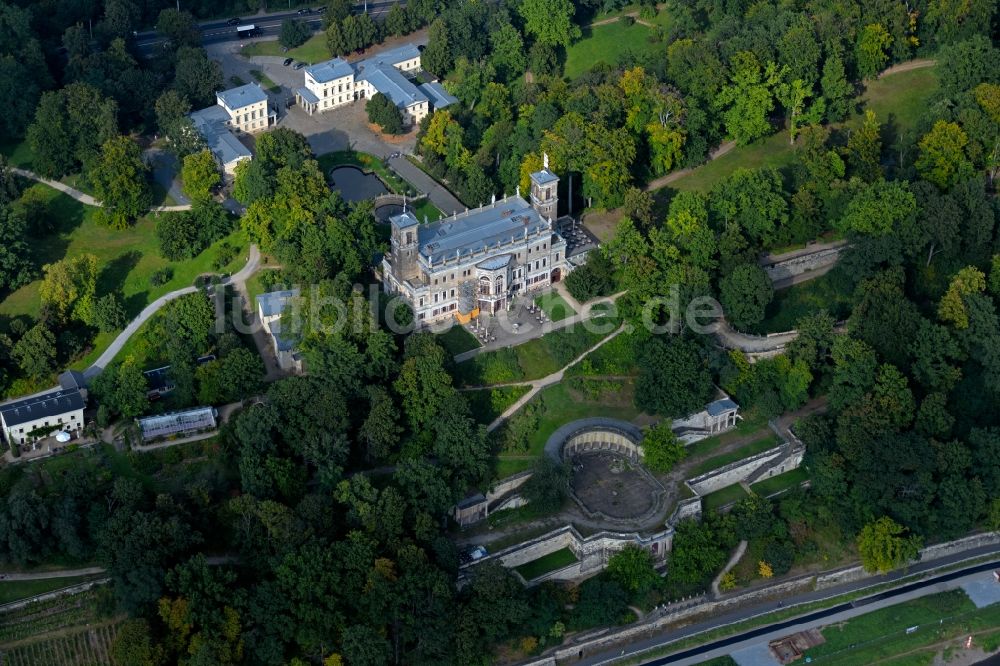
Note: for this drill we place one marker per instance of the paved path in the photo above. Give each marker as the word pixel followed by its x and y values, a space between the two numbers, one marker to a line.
pixel 253 262
pixel 730 338
pixel 733 561
pixel 439 195
pixel 538 384
pixel 82 197
pixel 584 313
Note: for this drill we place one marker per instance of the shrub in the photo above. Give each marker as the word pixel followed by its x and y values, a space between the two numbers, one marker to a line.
pixel 593 279
pixel 384 113
pixel 160 277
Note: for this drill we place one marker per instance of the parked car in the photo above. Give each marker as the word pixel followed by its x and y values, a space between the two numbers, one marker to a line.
pixel 233 21
pixel 321 9
pixel 288 61
pixel 304 10
pixel 299 65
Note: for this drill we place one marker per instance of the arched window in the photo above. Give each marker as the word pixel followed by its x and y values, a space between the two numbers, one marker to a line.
pixel 484 285
pixel 498 284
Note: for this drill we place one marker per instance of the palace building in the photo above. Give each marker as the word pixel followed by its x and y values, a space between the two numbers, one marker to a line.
pixel 475 262
pixel 335 83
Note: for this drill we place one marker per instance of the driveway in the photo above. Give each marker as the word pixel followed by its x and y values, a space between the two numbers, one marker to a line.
pixel 166 173
pixel 445 201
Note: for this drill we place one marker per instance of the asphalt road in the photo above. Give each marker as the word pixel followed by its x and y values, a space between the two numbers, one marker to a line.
pixel 269 25
pixel 841 611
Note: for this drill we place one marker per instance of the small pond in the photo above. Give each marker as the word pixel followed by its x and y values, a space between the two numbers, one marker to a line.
pixel 356 185
pixel 385 211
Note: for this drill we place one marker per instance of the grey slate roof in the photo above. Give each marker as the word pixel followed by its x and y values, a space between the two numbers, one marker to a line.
pixel 54 403
pixel 720 406
pixel 495 263
pixel 396 55
pixel 307 95
pixel 273 302
pixel 330 70
pixel 211 124
pixel 484 227
pixel 237 98
pixel 438 96
pixel 390 82
pixel 72 379
pixel 544 176
pixel 404 220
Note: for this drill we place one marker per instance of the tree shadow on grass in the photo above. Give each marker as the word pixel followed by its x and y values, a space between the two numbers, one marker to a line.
pixel 113 274
pixel 65 216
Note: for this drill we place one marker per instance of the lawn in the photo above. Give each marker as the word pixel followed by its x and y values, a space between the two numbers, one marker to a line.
pixel 256 287
pixel 127 258
pixel 560 404
pixel 369 163
pixel 882 634
pixel 900 98
pixel 607 43
pixel 831 292
pixel 265 81
pixel 543 565
pixel 532 360
pixel 425 210
pixel 555 306
pixel 748 449
pixel 487 404
pixel 13 590
pixel 751 423
pixel 781 482
pixel 457 340
pixel 312 52
pixel 723 496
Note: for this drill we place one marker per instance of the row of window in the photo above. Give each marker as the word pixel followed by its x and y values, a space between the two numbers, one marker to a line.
pixel 72 417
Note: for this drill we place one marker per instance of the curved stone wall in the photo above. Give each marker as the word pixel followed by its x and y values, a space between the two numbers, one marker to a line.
pixel 595 434
pixel 602 439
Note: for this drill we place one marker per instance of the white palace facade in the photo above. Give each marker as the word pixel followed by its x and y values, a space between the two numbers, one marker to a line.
pixel 475 262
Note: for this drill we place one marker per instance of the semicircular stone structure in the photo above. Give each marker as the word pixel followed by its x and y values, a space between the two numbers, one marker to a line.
pixel 609 482
pixel 595 434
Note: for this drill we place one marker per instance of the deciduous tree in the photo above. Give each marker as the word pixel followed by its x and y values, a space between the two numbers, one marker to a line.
pixel 120 183
pixel 885 545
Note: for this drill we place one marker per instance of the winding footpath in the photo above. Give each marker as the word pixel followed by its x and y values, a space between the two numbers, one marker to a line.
pixel 83 197
pixel 538 384
pixel 238 278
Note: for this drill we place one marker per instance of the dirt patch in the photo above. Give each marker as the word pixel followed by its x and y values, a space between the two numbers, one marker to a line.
pixel 602 223
pixel 609 484
pixel 392 138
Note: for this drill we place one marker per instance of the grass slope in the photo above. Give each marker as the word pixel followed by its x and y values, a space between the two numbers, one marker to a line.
pixel 898 99
pixel 127 259
pixel 560 404
pixel 13 590
pixel 830 292
pixel 543 565
pixel 314 50
pixel 607 43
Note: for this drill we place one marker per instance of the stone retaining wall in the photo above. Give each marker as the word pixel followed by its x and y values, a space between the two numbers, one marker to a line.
pixel 689 508
pixel 506 485
pixel 806 263
pixel 592 552
pixel 739 471
pixel 929 553
pixel 605 439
